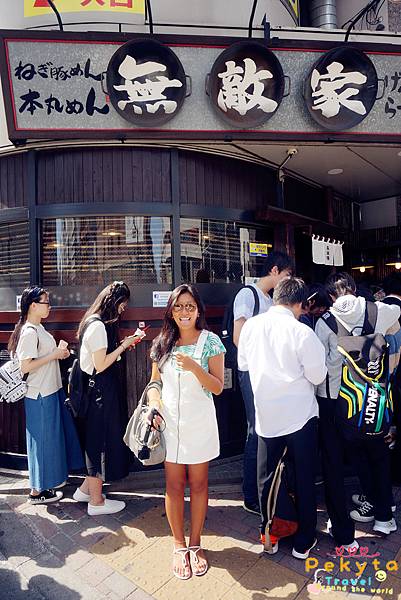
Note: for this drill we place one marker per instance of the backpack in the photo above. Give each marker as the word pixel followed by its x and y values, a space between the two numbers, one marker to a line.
pixel 282 519
pixel 228 328
pixel 364 407
pixel 80 384
pixel 13 385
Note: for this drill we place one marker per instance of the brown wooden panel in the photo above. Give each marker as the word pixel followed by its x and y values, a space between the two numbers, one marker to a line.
pixel 12 174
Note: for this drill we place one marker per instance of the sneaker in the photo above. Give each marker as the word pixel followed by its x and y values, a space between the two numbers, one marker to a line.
pixel 303 555
pixel 385 526
pixel 363 514
pixel 351 548
pixel 80 496
pixel 108 508
pixel 252 507
pixel 45 497
pixel 359 499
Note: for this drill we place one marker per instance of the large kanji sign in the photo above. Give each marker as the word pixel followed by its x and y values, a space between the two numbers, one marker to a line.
pixel 37 8
pixel 101 85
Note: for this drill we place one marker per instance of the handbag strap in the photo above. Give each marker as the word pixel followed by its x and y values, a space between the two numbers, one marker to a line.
pixel 200 344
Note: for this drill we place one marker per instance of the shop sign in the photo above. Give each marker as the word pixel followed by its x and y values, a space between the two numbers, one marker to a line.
pixel 38 8
pixel 341 88
pixel 78 87
pixel 146 83
pixel 246 84
pixel 258 249
pixel 160 299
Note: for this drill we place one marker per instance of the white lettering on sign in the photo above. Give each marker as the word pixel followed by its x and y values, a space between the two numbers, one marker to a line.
pixel 242 88
pixel 148 94
pixel 326 90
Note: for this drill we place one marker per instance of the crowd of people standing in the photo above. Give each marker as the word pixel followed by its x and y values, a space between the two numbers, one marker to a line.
pixel 289 371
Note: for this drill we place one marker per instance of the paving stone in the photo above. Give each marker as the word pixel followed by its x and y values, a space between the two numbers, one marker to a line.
pixel 78 559
pixel 120 585
pixel 141 595
pixel 95 571
pixel 228 562
pixel 271 580
pixel 63 545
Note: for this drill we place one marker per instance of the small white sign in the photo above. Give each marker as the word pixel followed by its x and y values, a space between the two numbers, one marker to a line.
pixel 160 299
pixel 228 379
pixel 18 302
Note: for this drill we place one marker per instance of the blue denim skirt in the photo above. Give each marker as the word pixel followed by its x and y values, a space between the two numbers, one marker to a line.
pixel 51 440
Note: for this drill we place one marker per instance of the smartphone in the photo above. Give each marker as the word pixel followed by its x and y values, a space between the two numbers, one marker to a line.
pixel 63 344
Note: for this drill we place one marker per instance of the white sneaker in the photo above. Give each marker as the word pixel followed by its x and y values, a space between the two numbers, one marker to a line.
pixel 80 496
pixel 303 555
pixel 352 547
pixel 108 508
pixel 385 526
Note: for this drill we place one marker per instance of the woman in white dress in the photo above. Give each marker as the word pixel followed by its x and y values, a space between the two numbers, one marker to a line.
pixel 189 361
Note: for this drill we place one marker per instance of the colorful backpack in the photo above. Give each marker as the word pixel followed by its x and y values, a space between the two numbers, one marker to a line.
pixel 364 406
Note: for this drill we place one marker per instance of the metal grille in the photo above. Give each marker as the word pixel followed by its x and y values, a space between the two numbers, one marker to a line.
pixel 220 251
pixel 93 251
pixel 14 255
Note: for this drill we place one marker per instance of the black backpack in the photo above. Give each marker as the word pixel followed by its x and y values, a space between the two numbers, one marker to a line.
pixel 80 384
pixel 364 407
pixel 228 328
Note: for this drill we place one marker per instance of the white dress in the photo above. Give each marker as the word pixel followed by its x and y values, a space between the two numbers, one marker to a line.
pixel 191 433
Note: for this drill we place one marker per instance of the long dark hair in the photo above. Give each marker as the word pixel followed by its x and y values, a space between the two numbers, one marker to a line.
pixel 106 303
pixel 29 295
pixel 169 334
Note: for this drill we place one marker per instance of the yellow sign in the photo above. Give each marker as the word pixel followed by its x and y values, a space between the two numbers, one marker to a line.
pixel 293 8
pixel 37 8
pixel 258 249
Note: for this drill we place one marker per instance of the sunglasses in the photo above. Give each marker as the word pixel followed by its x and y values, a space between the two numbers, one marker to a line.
pixel 189 307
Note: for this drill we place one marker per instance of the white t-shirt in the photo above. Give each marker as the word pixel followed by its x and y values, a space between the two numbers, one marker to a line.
pixel 94 339
pixel 244 303
pixel 285 360
pixel 47 379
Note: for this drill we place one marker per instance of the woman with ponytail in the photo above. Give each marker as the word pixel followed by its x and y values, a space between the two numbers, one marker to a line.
pixel 106 455
pixel 52 443
pixel 189 361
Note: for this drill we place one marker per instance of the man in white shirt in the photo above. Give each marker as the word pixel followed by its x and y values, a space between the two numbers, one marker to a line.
pixel 285 361
pixel 276 267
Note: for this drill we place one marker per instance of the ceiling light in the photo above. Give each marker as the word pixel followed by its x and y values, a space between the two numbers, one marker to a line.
pixel 335 171
pixel 111 233
pixel 362 268
pixel 396 261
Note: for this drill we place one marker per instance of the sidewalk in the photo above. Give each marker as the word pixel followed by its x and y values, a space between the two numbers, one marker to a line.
pixel 58 552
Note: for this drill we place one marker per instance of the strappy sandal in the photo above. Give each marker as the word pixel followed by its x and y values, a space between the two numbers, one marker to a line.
pixel 185 565
pixel 193 555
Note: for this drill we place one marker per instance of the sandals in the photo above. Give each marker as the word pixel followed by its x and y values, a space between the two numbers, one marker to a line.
pixel 193 554
pixel 185 565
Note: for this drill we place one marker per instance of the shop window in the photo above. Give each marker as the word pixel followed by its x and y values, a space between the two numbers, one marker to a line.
pixel 222 251
pixel 14 256
pixel 93 251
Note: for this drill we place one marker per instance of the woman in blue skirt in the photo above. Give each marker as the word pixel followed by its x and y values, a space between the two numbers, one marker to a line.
pixel 52 443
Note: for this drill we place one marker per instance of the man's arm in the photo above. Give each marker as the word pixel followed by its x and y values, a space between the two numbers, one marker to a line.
pixel 312 356
pixel 238 325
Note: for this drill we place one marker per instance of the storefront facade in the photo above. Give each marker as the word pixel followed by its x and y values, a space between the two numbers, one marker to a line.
pixel 90 194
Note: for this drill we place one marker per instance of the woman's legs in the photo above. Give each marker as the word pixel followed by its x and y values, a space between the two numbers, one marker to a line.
pixel 175 488
pixel 198 483
pixel 93 487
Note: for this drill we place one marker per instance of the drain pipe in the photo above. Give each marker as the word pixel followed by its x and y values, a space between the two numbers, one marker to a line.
pixel 323 14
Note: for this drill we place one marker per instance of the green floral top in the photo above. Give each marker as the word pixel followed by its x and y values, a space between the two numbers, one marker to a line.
pixel 213 346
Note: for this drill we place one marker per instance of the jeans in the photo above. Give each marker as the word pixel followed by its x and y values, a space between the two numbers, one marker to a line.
pixel 249 485
pixel 302 453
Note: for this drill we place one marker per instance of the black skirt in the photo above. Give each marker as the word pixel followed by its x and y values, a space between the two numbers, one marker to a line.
pixel 106 455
